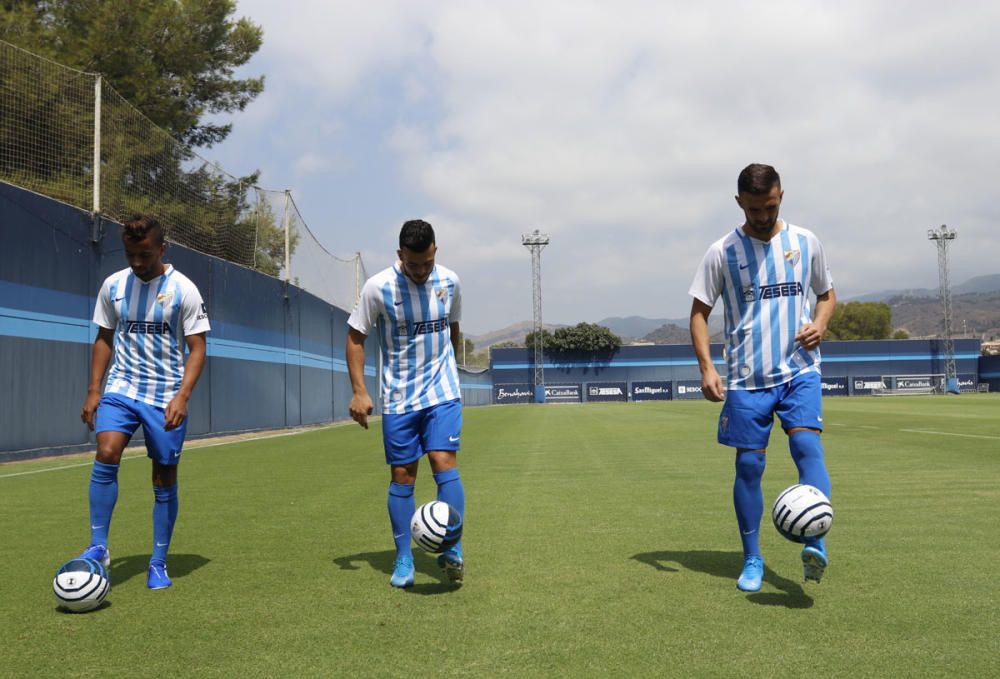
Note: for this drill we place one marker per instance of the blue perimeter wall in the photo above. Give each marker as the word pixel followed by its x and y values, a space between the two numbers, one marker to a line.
pixel 275 353
pixel 671 371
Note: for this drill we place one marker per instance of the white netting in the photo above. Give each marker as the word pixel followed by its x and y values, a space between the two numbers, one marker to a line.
pixel 313 268
pixel 46 126
pixel 47 140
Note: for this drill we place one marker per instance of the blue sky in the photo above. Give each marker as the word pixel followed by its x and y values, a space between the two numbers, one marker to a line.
pixel 619 130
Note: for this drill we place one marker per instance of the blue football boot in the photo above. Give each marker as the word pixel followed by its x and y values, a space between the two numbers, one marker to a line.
pixel 752 575
pixel 156 577
pixel 402 572
pixel 98 553
pixel 452 564
pixel 814 562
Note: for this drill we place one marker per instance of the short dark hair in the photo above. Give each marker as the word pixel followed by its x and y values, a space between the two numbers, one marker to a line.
pixel 757 179
pixel 138 226
pixel 416 235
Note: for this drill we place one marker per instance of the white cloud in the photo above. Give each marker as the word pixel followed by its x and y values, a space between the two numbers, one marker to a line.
pixel 619 128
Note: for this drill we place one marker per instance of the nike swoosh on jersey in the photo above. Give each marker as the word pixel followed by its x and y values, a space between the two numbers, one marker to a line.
pixel 117 299
pixel 744 266
pixel 453 439
pixel 397 303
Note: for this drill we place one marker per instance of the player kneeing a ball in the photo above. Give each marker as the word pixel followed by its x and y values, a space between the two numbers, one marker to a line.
pixel 415 307
pixel 765 270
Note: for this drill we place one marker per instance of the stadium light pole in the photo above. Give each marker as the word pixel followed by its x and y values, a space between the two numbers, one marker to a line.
pixel 535 242
pixel 942 237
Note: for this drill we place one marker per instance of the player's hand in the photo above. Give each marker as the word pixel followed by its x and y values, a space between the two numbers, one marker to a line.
pixel 175 413
pixel 361 407
pixel 90 409
pixel 712 387
pixel 809 335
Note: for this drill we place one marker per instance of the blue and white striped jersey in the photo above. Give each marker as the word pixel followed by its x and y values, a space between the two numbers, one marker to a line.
pixel 766 289
pixel 150 320
pixel 414 327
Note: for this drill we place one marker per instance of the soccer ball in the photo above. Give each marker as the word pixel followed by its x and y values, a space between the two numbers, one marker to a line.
pixel 80 585
pixel 802 512
pixel 436 526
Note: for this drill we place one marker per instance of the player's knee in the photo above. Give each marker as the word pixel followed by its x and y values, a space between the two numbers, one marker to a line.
pixel 404 473
pixel 443 460
pixel 750 465
pixel 164 475
pixel 108 453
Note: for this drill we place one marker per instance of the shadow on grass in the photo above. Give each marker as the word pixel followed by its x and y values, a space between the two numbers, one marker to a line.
pixel 125 568
pixel 727 565
pixel 423 563
pixel 104 605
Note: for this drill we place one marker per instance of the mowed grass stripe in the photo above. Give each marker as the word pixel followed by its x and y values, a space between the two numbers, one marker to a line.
pixel 600 541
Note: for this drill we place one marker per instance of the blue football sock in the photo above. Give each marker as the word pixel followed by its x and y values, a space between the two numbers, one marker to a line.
pixel 807 451
pixel 451 491
pixel 164 515
pixel 748 499
pixel 401 509
pixel 103 496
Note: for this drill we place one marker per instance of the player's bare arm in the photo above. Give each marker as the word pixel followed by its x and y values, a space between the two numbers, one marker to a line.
pixel 712 387
pixel 361 403
pixel 811 334
pixel 176 410
pixel 100 357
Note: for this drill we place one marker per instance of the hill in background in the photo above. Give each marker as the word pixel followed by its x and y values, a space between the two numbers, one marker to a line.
pixel 512 333
pixel 979 284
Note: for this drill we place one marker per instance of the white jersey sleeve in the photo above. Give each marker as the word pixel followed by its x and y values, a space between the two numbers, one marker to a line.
pixel 368 308
pixel 456 302
pixel 821 280
pixel 194 313
pixel 104 311
pixel 710 276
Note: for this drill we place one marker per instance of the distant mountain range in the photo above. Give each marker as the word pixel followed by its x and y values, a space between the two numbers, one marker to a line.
pixel 979 284
pixel 975 312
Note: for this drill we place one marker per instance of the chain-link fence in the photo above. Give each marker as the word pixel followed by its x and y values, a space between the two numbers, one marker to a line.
pixel 69 135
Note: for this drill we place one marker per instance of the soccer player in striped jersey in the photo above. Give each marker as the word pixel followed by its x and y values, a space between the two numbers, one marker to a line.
pixel 764 271
pixel 414 307
pixel 145 315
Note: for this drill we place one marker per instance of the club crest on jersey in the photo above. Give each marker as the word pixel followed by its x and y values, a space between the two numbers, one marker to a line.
pixel 792 257
pixel 165 298
pixel 749 294
pixel 441 293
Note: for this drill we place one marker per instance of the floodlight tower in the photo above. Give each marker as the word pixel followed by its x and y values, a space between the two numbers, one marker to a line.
pixel 942 238
pixel 535 241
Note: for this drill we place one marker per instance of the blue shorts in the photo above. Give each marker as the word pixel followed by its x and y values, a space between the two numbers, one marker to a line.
pixel 121 413
pixel 408 436
pixel 747 416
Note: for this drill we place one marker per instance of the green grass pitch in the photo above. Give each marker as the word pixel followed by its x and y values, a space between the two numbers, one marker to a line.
pixel 600 541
